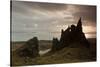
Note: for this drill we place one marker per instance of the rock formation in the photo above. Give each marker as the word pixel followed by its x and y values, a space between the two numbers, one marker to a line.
pixel 73 36
pixel 55 43
pixel 30 49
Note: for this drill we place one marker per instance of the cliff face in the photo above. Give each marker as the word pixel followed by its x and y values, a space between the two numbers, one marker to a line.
pixel 73 36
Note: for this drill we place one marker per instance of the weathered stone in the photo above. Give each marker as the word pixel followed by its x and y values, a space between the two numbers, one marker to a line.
pixel 55 43
pixel 30 49
pixel 72 35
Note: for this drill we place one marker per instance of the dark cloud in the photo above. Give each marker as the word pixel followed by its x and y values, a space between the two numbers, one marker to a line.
pixel 52 6
pixel 88 13
pixel 43 19
pixel 38 5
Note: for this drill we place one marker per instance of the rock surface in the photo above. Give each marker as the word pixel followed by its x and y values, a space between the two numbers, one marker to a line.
pixel 72 35
pixel 29 49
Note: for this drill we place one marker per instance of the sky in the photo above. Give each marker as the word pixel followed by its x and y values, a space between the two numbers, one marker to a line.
pixel 45 20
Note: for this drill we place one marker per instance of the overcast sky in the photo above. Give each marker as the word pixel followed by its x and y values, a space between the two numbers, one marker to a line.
pixel 45 20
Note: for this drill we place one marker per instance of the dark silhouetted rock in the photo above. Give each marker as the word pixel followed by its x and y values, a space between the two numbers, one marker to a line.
pixel 79 26
pixel 55 43
pixel 73 36
pixel 30 49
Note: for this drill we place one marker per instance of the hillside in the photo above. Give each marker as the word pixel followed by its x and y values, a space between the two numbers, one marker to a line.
pixel 66 55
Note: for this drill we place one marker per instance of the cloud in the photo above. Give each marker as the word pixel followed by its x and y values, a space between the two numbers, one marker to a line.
pixel 88 13
pixel 43 19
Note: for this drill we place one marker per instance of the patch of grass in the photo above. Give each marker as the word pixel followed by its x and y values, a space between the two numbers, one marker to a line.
pixel 66 55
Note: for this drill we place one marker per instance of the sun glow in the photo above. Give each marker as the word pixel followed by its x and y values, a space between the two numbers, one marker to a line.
pixel 89 29
pixel 90 32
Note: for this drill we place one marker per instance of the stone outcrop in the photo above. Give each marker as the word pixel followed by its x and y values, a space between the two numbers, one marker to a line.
pixel 73 36
pixel 55 43
pixel 29 49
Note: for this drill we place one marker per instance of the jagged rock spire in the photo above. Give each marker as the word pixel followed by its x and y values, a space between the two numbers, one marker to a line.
pixel 79 25
pixel 62 31
pixel 73 36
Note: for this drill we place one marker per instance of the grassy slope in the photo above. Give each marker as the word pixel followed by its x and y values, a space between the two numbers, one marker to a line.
pixel 66 55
